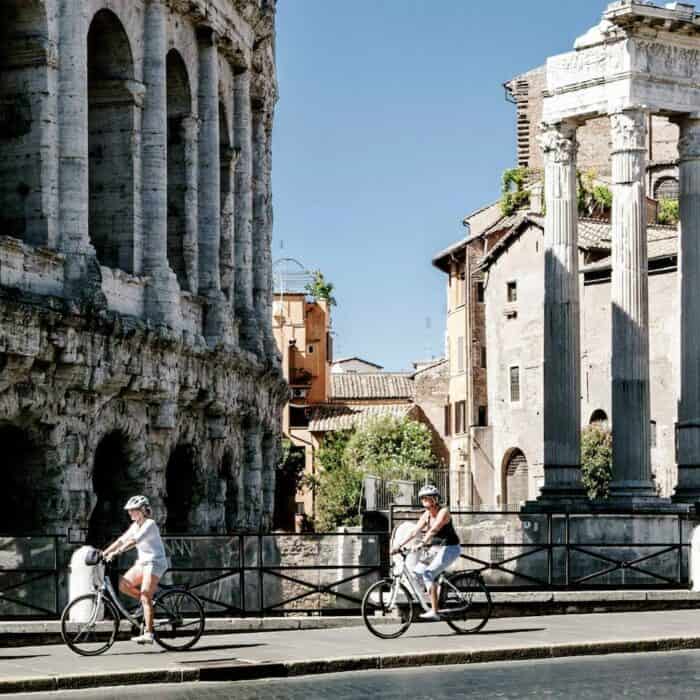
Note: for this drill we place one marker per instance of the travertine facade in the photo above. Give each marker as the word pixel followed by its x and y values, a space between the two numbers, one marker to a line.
pixel 136 350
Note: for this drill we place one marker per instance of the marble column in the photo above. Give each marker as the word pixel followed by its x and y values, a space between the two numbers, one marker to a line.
pixel 162 291
pixel 73 168
pixel 562 354
pixel 210 187
pixel 269 456
pixel 190 136
pixel 228 163
pixel 243 246
pixel 688 487
pixel 630 310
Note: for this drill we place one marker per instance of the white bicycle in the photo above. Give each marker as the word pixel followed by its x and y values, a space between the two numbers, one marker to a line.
pixel 464 601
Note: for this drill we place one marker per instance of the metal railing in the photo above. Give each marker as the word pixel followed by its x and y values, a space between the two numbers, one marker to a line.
pixel 238 574
pixel 383 494
pixel 571 551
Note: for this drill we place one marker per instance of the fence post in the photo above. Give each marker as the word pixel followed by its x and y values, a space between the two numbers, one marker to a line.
pixel 261 593
pixel 550 551
pixel 568 550
pixel 241 564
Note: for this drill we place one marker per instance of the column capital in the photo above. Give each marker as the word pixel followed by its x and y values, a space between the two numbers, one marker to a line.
pixel 558 141
pixel 689 138
pixel 629 130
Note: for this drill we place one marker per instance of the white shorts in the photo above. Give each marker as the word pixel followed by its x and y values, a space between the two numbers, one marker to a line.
pixel 156 567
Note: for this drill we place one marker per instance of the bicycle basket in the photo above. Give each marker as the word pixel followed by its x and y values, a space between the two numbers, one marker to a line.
pixel 93 557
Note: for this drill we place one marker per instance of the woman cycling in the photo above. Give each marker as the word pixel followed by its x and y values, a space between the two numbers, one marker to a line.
pixel 141 580
pixel 439 533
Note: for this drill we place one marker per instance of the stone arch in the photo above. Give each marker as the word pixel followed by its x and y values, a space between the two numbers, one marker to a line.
pixel 179 109
pixel 227 159
pixel 666 188
pixel 183 491
pixel 114 480
pixel 515 488
pixel 25 53
pixel 113 99
pixel 27 503
pixel 599 417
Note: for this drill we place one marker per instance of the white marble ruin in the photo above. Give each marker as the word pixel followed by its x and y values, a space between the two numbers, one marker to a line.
pixel 642 59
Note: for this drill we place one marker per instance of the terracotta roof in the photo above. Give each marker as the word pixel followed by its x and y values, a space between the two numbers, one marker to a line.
pixel 371 385
pixel 660 245
pixel 329 418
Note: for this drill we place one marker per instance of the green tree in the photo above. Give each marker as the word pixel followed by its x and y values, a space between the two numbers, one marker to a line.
pixel 596 460
pixel 392 448
pixel 668 212
pixel 320 288
pixel 513 192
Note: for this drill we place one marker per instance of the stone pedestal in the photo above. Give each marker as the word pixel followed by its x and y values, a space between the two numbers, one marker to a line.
pixel 688 437
pixel 630 311
pixel 562 372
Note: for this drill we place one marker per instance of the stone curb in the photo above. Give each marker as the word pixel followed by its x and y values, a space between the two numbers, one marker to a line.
pixel 259 671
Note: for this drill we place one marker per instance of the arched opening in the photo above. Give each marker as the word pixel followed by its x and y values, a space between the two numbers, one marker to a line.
pixel 226 260
pixel 179 108
pixel 666 188
pixel 515 478
pixel 112 97
pixel 113 484
pixel 599 417
pixel 181 489
pixel 24 47
pixel 24 483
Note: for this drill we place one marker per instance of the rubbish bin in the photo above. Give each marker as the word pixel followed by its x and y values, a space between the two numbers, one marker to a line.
pixel 83 579
pixel 694 566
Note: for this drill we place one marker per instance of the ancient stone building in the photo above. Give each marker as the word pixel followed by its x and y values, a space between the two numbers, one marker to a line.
pixel 136 351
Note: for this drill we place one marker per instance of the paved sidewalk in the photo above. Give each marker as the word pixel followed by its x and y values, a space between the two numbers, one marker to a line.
pixel 274 654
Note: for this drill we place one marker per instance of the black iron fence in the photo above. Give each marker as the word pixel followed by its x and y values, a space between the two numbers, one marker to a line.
pixel 517 550
pixel 238 574
pixel 383 494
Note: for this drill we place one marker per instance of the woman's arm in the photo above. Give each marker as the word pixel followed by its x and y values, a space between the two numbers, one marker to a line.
pixel 121 544
pixel 419 526
pixel 443 517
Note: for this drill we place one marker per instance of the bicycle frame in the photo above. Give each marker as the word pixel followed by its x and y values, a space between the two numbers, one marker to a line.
pixel 406 576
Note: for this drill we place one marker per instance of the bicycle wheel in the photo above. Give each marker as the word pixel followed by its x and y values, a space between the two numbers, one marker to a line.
pixel 87 634
pixel 465 602
pixel 387 608
pixel 178 620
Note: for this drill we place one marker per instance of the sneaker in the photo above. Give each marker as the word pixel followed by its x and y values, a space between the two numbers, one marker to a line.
pixel 430 616
pixel 145 638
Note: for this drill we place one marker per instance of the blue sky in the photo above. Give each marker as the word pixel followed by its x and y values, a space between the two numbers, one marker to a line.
pixel 391 126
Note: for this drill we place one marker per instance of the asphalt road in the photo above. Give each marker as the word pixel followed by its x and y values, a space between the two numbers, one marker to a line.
pixel 668 675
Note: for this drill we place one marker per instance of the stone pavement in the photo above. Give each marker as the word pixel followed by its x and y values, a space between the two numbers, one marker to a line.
pixel 277 654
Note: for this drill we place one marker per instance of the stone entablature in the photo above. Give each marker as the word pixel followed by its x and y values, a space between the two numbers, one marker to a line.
pixel 135 264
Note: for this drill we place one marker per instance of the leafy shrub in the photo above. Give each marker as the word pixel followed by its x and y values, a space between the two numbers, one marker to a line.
pixel 596 460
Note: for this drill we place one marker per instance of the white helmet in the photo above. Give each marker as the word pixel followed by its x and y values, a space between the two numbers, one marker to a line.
pixel 137 502
pixel 429 490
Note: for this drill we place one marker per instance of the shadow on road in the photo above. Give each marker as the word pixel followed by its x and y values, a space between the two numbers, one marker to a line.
pixel 481 634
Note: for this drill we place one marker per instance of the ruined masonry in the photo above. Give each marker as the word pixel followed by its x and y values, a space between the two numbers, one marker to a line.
pixel 136 352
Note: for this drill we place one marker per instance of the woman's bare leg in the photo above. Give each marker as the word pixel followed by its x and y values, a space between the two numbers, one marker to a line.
pixel 148 588
pixel 130 582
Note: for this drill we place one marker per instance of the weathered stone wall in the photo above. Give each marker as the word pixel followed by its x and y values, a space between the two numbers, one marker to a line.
pixel 121 369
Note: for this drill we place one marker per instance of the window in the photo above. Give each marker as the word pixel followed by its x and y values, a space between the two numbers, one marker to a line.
pixel 460 353
pixel 448 420
pixel 483 357
pixel 483 417
pixel 460 288
pixel 666 188
pixel 514 384
pixel 311 349
pixel 298 417
pixel 652 433
pixel 460 417
pixel 480 290
pixel 512 290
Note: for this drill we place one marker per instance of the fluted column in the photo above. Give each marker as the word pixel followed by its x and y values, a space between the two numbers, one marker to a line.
pixel 190 135
pixel 688 487
pixel 228 163
pixel 162 292
pixel 73 169
pixel 269 471
pixel 243 247
pixel 562 356
pixel 210 187
pixel 630 310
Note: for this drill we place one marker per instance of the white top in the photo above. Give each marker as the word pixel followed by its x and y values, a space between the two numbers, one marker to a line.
pixel 149 545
